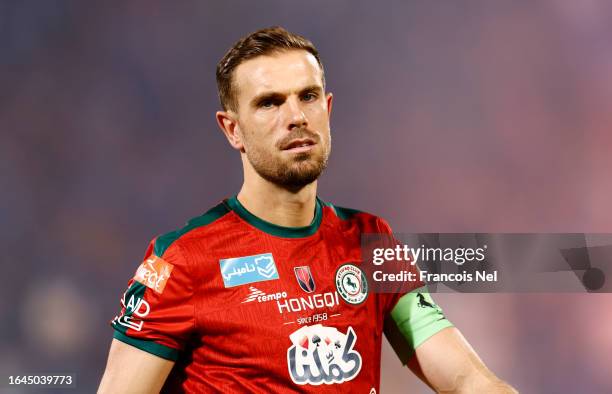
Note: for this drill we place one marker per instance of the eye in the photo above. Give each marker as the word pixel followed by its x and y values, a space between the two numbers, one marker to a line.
pixel 266 104
pixel 309 96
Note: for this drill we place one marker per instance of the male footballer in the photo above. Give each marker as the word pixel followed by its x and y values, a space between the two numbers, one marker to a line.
pixel 266 292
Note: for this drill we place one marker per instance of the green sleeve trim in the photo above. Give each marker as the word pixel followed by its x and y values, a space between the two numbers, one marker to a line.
pixel 418 318
pixel 149 346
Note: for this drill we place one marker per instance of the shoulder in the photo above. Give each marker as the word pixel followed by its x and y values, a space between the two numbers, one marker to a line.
pixel 167 243
pixel 168 257
pixel 368 221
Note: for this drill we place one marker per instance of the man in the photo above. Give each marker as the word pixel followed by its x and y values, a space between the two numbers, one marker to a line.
pixel 265 292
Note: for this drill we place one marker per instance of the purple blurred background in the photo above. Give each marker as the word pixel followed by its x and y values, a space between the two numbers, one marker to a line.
pixel 479 116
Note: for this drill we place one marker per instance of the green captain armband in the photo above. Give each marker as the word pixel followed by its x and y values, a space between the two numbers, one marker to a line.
pixel 414 319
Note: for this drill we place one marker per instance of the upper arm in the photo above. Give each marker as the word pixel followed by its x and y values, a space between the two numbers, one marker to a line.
pixel 157 319
pixel 448 364
pixel 131 370
pixel 413 319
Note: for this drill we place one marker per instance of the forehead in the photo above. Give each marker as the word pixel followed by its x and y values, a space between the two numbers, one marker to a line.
pixel 284 71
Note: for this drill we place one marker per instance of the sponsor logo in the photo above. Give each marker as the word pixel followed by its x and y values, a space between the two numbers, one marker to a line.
pixel 323 355
pixel 351 284
pixel 154 273
pixel 304 278
pixel 136 306
pixel 260 296
pixel 248 269
pixel 315 301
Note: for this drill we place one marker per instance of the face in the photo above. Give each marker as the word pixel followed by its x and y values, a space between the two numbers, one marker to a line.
pixel 282 118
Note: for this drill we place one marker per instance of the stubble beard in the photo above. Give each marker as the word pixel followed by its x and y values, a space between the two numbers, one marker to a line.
pixel 300 170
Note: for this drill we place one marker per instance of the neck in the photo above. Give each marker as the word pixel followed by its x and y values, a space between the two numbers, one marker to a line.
pixel 277 205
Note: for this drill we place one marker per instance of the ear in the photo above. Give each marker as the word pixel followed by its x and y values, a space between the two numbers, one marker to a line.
pixel 228 123
pixel 329 97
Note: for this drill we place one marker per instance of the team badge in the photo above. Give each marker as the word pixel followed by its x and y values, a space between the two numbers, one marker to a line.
pixel 351 284
pixel 304 278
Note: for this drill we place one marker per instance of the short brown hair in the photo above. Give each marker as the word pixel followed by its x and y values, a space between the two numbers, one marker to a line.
pixel 262 42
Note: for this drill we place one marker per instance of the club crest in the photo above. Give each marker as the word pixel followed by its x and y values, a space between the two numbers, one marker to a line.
pixel 351 284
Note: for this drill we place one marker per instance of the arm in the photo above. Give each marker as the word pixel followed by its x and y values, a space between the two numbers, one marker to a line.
pixel 156 318
pixel 435 351
pixel 131 370
pixel 448 364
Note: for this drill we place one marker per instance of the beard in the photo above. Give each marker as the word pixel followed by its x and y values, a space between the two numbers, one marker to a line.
pixel 294 172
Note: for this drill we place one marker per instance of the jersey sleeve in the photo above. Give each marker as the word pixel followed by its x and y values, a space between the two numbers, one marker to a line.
pixel 157 310
pixel 411 316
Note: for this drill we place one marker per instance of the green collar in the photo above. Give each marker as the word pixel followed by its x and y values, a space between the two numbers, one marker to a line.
pixel 276 230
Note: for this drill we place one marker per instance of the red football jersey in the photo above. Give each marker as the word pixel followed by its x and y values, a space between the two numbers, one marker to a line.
pixel 243 305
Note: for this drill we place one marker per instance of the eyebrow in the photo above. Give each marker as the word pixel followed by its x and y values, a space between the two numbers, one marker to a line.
pixel 276 96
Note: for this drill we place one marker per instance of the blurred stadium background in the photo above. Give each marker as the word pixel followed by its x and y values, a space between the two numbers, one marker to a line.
pixel 449 116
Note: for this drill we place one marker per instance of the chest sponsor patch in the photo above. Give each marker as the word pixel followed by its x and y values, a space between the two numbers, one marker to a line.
pixel 248 269
pixel 323 355
pixel 154 273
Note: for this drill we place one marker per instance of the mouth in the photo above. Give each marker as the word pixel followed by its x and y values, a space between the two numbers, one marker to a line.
pixel 299 145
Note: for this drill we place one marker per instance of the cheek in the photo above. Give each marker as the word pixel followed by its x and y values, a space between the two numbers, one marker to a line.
pixel 254 124
pixel 266 123
pixel 259 132
pixel 318 114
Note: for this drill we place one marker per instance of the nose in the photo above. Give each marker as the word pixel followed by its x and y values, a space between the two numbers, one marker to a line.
pixel 296 116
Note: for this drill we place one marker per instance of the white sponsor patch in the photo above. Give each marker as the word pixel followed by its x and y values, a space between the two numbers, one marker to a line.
pixel 323 355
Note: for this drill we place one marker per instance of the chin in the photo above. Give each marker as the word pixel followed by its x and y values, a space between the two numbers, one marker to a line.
pixel 306 164
pixel 310 170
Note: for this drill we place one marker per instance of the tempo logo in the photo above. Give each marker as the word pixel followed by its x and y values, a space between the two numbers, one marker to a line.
pixel 260 296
